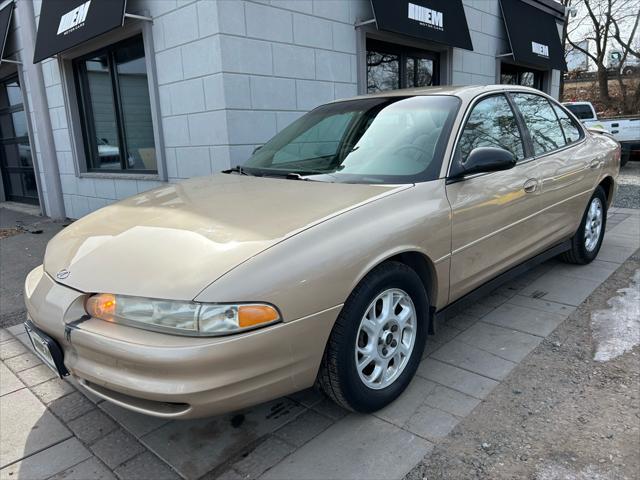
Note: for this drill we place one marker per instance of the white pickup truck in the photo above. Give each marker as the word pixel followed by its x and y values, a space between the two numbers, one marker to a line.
pixel 626 130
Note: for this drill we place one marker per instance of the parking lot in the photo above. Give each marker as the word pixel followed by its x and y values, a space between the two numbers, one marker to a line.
pixel 59 430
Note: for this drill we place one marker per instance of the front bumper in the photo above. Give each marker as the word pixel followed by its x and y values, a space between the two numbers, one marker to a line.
pixel 174 376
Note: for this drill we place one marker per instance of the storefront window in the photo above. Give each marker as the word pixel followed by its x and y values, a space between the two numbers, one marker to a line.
pixel 16 163
pixel 516 75
pixel 419 72
pixel 116 110
pixel 390 67
pixel 383 71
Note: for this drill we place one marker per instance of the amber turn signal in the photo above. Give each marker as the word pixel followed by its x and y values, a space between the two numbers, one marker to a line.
pixel 101 306
pixel 252 315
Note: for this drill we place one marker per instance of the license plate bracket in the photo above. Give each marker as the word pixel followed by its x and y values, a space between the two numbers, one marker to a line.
pixel 47 349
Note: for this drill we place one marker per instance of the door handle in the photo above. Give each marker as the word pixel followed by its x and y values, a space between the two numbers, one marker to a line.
pixel 595 164
pixel 531 185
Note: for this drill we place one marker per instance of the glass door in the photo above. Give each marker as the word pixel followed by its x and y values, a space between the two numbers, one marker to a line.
pixel 16 163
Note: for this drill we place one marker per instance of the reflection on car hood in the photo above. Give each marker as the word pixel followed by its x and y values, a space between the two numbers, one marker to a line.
pixel 173 241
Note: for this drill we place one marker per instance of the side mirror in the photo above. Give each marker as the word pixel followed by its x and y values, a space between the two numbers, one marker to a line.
pixel 487 159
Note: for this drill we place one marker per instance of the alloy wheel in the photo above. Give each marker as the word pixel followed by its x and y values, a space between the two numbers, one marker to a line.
pixel 386 337
pixel 593 225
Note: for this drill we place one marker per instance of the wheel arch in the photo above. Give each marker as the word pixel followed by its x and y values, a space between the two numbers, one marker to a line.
pixel 608 185
pixel 424 267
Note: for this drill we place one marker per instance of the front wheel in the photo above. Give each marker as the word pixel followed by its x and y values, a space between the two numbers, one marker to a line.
pixel 587 241
pixel 377 341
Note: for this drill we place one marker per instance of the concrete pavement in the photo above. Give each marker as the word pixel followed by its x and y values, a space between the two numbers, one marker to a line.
pixel 50 428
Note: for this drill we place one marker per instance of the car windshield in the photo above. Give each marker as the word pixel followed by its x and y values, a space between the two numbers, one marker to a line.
pixel 370 140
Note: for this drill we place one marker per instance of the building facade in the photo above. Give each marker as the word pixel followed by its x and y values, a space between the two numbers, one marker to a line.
pixel 183 88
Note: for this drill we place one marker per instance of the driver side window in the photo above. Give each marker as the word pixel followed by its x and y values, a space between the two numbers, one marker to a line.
pixel 492 123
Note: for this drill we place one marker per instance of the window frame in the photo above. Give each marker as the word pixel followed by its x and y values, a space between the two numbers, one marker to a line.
pixel 89 138
pixel 454 164
pixel 551 102
pixel 576 123
pixel 529 155
pixel 76 163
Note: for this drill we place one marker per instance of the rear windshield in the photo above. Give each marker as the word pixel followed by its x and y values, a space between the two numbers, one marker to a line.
pixel 583 112
pixel 371 140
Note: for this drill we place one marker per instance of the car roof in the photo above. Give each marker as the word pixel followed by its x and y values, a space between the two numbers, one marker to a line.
pixel 465 92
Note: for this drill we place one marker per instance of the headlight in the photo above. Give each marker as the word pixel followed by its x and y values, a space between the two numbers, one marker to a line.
pixel 184 318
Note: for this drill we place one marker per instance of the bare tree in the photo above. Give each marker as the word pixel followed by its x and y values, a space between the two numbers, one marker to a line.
pixel 627 47
pixel 567 4
pixel 597 22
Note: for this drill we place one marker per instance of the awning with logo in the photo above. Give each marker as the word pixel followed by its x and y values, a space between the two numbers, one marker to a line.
pixel 440 21
pixel 65 24
pixel 5 24
pixel 533 35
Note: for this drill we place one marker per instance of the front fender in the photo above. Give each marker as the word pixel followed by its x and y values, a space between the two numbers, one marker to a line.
pixel 317 269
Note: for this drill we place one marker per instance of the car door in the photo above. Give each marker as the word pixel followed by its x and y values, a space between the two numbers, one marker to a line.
pixel 567 166
pixel 494 221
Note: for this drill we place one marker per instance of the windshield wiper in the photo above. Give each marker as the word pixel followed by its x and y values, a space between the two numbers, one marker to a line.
pixel 295 176
pixel 237 169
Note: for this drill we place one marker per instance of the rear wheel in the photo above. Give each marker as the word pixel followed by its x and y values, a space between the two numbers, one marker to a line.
pixel 586 243
pixel 378 339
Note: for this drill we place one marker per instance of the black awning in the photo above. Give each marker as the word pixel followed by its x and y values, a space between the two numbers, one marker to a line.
pixel 441 21
pixel 533 35
pixel 65 24
pixel 5 24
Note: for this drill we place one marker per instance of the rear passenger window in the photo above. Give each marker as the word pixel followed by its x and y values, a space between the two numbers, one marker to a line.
pixel 491 124
pixel 544 129
pixel 569 127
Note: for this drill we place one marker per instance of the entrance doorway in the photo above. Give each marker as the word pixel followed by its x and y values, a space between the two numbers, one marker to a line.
pixel 16 162
pixel 516 75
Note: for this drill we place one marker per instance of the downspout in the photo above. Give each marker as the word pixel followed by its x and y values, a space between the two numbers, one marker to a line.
pixel 54 206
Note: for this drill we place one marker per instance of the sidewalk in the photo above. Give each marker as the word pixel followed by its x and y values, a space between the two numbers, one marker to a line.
pixel 49 428
pixel 23 238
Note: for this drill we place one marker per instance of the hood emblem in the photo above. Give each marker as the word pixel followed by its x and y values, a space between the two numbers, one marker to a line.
pixel 62 274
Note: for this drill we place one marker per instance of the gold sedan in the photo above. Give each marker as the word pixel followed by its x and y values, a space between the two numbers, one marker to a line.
pixel 326 258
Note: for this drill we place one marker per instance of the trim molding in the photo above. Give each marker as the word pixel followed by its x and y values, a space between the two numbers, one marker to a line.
pixel 454 308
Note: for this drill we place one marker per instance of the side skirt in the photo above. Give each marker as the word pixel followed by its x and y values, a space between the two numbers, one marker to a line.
pixel 486 288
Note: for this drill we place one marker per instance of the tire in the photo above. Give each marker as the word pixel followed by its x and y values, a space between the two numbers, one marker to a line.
pixel 340 378
pixel 585 248
pixel 628 71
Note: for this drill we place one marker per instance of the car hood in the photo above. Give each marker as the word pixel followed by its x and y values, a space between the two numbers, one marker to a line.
pixel 173 241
